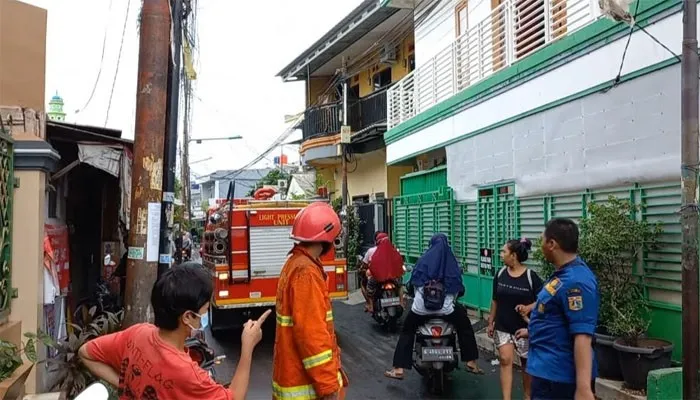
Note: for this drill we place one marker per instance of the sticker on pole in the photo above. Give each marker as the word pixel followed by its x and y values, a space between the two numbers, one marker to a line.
pixel 168 197
pixel 135 253
pixel 165 259
pixel 345 134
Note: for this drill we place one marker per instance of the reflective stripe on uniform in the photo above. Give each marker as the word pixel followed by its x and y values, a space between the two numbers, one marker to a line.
pixel 284 320
pixel 318 359
pixel 303 392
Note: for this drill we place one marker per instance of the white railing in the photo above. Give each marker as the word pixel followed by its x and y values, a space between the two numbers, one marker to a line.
pixel 512 31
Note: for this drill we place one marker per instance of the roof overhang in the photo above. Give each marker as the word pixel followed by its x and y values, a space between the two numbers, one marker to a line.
pixel 62 131
pixel 352 28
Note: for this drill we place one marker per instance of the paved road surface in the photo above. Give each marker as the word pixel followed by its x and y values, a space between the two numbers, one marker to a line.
pixel 366 353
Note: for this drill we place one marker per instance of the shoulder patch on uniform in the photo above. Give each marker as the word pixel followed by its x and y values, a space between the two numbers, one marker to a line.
pixel 575 303
pixel 552 286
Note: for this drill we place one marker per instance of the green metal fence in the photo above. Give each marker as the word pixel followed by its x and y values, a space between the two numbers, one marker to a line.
pixel 6 194
pixel 424 181
pixel 418 217
pixel 498 215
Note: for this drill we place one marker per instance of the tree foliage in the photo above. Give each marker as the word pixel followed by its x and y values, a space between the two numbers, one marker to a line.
pixel 271 179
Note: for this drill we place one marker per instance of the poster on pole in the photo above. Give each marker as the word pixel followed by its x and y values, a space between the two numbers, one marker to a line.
pixel 153 235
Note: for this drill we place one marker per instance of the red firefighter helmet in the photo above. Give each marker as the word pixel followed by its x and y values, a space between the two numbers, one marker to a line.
pixel 316 222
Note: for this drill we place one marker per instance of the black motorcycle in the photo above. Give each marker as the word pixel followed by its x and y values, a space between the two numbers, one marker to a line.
pixel 202 354
pixel 100 302
pixel 387 306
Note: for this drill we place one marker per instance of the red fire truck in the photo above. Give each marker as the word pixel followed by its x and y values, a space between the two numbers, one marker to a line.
pixel 245 245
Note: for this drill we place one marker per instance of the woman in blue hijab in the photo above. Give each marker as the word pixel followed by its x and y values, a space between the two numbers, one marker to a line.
pixel 438 272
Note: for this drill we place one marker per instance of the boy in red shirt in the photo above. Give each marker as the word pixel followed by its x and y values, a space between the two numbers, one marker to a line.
pixel 150 361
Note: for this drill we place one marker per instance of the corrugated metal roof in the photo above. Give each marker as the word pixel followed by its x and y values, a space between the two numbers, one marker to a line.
pixel 352 28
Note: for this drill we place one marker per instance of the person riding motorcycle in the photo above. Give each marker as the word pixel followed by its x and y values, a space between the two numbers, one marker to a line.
pixel 437 270
pixel 187 246
pixel 386 265
pixel 364 267
pixel 306 359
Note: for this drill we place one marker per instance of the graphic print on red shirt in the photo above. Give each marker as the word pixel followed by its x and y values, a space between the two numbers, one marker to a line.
pixel 151 369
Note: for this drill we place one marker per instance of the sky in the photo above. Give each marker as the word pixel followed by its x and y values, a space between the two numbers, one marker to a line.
pixel 242 46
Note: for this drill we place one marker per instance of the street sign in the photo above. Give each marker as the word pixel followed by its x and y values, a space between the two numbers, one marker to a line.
pixel 345 134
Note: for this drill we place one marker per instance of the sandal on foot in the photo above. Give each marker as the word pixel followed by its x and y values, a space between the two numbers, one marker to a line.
pixel 474 370
pixel 393 375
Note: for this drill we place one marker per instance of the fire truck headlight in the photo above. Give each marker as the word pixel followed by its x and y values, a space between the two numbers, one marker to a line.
pixel 223 293
pixel 223 276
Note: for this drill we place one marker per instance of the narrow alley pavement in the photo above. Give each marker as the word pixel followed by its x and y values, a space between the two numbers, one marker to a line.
pixel 366 352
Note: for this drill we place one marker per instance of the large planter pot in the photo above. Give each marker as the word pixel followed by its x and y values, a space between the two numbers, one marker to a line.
pixel 637 361
pixel 607 357
pixel 12 388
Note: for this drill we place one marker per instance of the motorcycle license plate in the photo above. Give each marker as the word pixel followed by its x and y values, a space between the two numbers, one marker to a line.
pixel 394 301
pixel 438 354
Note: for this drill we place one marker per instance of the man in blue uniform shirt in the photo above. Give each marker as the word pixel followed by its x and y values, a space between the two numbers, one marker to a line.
pixel 561 360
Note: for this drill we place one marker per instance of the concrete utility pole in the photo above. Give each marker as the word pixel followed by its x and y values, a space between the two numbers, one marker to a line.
pixel 345 139
pixel 689 211
pixel 147 179
pixel 166 218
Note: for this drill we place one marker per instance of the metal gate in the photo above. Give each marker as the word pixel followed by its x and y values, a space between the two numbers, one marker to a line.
pixel 496 222
pixel 372 219
pixel 6 194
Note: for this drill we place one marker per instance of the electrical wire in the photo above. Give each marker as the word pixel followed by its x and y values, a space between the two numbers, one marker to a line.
pixel 119 58
pixel 616 81
pixel 102 59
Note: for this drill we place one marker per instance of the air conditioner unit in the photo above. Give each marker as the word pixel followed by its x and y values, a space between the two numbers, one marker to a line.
pixel 387 55
pixel 282 183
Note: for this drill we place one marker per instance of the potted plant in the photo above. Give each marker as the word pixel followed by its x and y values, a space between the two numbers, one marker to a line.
pixel 71 376
pixel 14 370
pixel 612 241
pixel 637 354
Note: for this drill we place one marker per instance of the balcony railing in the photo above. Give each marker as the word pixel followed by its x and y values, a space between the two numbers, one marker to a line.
pixel 368 111
pixel 322 120
pixel 513 30
pixel 327 119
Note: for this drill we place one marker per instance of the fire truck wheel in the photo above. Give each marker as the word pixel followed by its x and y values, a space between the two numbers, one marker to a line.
pixel 216 330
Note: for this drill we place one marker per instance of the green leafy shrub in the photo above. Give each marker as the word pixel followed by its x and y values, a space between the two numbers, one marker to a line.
pixel 354 239
pixel 544 268
pixel 11 356
pixel 612 241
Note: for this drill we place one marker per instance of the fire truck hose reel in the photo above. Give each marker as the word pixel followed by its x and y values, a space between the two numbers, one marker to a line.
pixel 221 233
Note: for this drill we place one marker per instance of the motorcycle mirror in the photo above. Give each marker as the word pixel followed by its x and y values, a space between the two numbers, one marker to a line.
pixel 96 391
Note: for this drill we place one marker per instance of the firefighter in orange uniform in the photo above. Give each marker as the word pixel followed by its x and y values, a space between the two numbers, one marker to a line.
pixel 306 362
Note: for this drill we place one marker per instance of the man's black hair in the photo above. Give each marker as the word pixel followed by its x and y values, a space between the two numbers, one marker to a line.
pixel 563 231
pixel 185 287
